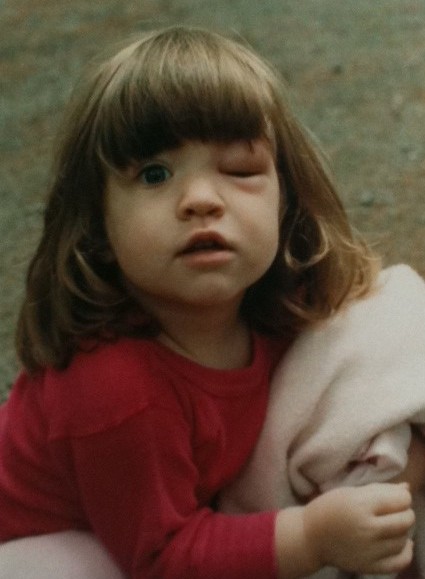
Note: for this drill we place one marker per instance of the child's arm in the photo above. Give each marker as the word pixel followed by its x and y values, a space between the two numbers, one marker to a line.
pixel 363 530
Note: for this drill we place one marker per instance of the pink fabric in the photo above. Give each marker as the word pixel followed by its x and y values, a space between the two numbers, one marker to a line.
pixel 342 401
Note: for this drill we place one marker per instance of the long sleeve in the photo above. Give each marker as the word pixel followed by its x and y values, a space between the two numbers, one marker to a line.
pixel 134 442
pixel 138 485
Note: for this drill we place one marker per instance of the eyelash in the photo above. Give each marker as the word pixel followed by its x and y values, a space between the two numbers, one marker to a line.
pixel 244 174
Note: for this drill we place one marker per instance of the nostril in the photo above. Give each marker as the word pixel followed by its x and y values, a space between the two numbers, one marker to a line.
pixel 202 208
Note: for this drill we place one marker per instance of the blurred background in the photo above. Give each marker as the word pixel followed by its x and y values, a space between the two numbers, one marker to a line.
pixel 356 77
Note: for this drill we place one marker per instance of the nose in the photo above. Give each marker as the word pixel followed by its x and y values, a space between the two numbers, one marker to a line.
pixel 200 197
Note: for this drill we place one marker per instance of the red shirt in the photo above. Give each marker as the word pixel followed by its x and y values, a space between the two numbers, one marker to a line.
pixel 133 442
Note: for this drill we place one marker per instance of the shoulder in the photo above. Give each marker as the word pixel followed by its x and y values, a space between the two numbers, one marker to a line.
pixel 380 334
pixel 122 360
pixel 395 305
pixel 102 387
pixel 393 308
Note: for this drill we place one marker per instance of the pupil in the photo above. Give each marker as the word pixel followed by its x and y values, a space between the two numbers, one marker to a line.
pixel 155 174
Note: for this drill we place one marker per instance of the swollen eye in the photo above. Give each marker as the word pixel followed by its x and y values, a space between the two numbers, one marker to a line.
pixel 244 174
pixel 154 174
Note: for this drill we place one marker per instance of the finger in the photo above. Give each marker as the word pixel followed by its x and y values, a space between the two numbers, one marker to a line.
pixel 391 547
pixel 395 563
pixel 392 498
pixel 396 524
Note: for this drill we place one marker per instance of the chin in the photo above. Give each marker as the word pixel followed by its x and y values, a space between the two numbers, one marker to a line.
pixel 217 298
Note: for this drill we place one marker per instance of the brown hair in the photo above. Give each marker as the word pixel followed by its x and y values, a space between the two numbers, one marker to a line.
pixel 174 84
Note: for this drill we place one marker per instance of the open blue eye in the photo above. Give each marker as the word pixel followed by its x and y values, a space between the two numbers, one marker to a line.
pixel 154 174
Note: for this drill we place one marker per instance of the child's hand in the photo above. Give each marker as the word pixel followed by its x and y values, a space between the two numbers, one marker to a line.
pixel 362 529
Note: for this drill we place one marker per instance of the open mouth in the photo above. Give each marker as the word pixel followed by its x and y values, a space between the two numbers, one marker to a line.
pixel 201 246
pixel 204 243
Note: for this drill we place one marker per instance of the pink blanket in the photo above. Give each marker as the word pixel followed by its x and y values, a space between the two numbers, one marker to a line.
pixel 342 401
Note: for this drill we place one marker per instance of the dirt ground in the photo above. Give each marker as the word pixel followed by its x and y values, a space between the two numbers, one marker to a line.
pixel 355 72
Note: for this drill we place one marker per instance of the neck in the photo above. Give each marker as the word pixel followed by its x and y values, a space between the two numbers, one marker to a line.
pixel 213 337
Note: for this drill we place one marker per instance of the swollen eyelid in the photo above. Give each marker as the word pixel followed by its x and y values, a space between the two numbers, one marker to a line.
pixel 246 171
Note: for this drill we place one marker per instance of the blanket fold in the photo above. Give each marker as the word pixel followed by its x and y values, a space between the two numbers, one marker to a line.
pixel 342 401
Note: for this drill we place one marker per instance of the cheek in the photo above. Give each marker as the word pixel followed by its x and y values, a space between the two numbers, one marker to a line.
pixel 122 239
pixel 275 220
pixel 265 234
pixel 130 246
pixel 123 225
pixel 277 210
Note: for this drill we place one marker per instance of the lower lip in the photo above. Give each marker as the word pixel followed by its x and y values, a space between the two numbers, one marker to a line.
pixel 207 259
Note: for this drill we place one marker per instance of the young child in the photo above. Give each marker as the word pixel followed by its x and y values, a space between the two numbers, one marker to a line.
pixel 190 233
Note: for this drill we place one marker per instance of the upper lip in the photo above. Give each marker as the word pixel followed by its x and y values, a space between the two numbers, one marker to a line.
pixel 205 240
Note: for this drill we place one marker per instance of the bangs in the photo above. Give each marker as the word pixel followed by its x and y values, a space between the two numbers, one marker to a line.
pixel 175 86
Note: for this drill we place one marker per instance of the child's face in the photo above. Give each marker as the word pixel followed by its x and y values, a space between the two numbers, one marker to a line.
pixel 196 225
